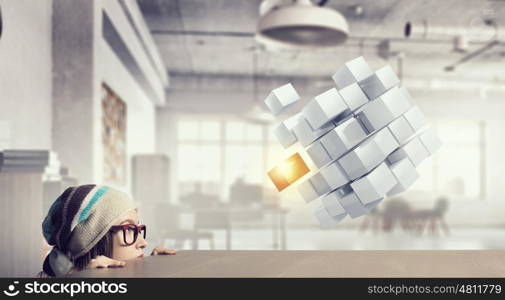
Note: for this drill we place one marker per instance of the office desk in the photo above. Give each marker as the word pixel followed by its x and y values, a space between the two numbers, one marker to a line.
pixel 359 263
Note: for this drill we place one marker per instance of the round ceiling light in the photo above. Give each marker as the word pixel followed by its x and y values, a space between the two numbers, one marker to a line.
pixel 302 24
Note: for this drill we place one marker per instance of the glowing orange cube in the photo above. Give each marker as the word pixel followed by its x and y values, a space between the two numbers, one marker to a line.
pixel 289 171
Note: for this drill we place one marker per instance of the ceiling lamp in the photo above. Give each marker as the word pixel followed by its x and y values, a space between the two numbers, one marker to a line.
pixel 300 24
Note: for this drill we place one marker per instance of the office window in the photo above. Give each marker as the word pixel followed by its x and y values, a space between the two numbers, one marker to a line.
pixel 210 131
pixel 276 152
pixel 199 163
pixel 460 162
pixel 199 156
pixel 215 153
pixel 456 169
pixel 244 152
pixel 234 131
pixel 188 130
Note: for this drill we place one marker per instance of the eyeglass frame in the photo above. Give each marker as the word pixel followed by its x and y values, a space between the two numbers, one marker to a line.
pixel 124 227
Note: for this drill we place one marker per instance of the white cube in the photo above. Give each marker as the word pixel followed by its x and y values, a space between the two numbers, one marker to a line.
pixel 320 185
pixel 352 71
pixel 324 108
pixel 396 101
pixel 370 206
pixel 413 150
pixel 307 191
pixel 386 142
pixel 353 96
pixel 401 129
pixel 406 94
pixel 367 155
pixel 405 174
pixel 306 134
pixel 375 184
pixel 361 159
pixel 282 98
pixel 415 118
pixel 284 131
pixel 318 154
pixel 284 135
pixel 334 175
pixel 332 204
pixel 325 219
pixel 378 83
pixel 430 140
pixel 342 138
pixel 353 205
pixel 383 110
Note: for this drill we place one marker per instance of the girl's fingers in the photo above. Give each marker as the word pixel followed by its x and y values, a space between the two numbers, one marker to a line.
pixel 116 264
pixel 106 262
pixel 166 252
pixel 162 251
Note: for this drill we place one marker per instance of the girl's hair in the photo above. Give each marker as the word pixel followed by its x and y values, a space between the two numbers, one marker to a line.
pixel 103 247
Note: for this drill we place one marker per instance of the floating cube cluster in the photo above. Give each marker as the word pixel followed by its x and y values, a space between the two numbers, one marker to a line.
pixel 366 138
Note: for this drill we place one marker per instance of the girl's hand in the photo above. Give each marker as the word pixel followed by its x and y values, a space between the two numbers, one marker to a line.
pixel 162 251
pixel 105 262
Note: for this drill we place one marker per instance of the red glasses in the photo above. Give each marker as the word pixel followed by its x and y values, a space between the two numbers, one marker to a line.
pixel 130 232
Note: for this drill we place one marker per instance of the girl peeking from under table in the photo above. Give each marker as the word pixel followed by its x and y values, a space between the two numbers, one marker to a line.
pixel 92 226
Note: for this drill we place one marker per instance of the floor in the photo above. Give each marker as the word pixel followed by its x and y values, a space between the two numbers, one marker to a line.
pixel 352 239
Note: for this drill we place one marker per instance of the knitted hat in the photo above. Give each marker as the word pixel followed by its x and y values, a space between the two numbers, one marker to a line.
pixel 79 219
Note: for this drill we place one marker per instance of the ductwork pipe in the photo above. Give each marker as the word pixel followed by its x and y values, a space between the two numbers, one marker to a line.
pixel 477 31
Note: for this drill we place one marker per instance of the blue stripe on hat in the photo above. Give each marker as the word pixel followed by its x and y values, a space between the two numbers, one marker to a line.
pixel 47 224
pixel 53 221
pixel 85 212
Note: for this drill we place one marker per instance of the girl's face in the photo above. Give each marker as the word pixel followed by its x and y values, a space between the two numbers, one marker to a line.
pixel 120 250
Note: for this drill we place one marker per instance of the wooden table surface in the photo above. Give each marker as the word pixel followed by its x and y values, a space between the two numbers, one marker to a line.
pixel 357 263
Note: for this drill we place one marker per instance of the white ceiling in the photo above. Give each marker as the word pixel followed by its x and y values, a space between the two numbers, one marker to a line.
pixel 214 37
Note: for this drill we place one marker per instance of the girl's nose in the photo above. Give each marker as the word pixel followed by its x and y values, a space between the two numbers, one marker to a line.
pixel 141 242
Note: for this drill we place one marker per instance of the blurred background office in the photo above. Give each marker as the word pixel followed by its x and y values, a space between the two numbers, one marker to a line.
pixel 164 99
